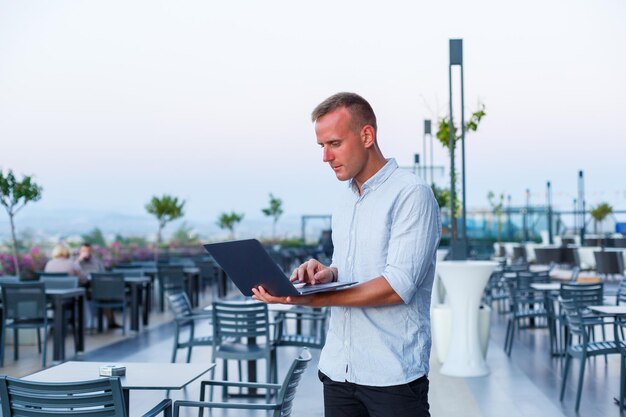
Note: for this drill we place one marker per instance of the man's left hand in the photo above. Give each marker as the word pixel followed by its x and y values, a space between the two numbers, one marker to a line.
pixel 260 294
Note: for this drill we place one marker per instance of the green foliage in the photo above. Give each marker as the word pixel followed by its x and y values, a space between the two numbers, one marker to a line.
pixel 184 236
pixel 497 206
pixel 275 210
pixel 443 131
pixel 600 212
pixel 94 237
pixel 139 241
pixel 14 195
pixel 166 208
pixel 442 195
pixel 229 221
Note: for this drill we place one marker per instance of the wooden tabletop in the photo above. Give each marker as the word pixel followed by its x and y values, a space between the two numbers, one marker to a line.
pixel 139 375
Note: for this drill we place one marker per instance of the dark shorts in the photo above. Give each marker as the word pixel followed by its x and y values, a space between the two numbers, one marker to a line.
pixel 345 399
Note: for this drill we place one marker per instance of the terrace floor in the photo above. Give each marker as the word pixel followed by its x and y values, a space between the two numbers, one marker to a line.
pixel 526 384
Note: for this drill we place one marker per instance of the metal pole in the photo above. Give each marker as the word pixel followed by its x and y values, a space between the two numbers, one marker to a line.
pixel 525 218
pixel 428 131
pixel 509 227
pixel 581 201
pixel 463 202
pixel 575 214
pixel 453 230
pixel 549 202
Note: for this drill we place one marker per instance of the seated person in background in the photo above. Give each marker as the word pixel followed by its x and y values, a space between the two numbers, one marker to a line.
pixel 61 263
pixel 86 263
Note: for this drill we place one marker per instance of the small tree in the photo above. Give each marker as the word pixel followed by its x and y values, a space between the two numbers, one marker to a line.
pixel 94 237
pixel 275 210
pixel 229 221
pixel 165 209
pixel 184 236
pixel 599 213
pixel 14 195
pixel 497 207
pixel 443 135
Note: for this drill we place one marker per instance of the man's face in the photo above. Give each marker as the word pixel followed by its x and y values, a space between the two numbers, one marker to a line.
pixel 342 147
pixel 85 252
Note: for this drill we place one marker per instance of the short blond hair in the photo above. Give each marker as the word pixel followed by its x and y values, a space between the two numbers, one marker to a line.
pixel 60 251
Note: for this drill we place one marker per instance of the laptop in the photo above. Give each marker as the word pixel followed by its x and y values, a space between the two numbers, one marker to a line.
pixel 249 265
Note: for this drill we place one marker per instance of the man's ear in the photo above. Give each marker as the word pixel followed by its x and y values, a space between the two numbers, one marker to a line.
pixel 368 136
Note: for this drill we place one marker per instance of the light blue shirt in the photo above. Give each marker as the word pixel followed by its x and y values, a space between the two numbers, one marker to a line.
pixel 392 230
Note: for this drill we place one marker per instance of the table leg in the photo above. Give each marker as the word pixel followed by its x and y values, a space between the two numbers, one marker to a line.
pixel 134 308
pixel 147 304
pixel 58 351
pixel 80 343
pixel 126 395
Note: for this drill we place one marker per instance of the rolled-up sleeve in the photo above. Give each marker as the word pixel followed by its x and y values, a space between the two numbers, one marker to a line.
pixel 415 234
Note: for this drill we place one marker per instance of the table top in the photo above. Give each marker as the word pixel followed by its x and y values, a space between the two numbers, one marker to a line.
pixel 547 286
pixel 139 375
pixel 610 310
pixel 66 292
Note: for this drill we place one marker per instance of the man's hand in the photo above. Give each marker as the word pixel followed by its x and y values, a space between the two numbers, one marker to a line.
pixel 260 294
pixel 313 272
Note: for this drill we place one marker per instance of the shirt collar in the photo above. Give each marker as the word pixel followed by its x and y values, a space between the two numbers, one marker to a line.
pixel 378 178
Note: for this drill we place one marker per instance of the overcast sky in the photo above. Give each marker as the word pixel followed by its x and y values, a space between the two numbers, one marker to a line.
pixel 109 102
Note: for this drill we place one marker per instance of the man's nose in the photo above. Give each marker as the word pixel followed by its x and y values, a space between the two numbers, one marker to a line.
pixel 327 155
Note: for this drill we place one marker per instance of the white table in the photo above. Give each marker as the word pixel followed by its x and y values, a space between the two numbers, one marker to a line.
pixel 465 282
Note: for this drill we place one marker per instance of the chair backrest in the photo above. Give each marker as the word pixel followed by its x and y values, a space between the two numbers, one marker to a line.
pixel 290 384
pixel 108 286
pixel 619 326
pixel 127 266
pixel 130 272
pixel 239 320
pixel 60 282
pixel 574 317
pixel 41 274
pixel 179 304
pixel 98 398
pixel 583 294
pixel 621 293
pixel 171 277
pixel 208 270
pixel 519 253
pixel 24 301
pixel 609 262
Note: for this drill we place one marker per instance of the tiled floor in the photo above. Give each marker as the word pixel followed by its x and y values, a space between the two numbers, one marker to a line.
pixel 526 384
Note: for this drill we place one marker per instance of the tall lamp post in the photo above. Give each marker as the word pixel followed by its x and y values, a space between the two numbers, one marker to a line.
pixel 458 245
pixel 581 201
pixel 428 132
pixel 549 203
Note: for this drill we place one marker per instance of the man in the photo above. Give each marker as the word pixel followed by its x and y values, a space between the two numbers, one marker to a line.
pixel 385 232
pixel 88 264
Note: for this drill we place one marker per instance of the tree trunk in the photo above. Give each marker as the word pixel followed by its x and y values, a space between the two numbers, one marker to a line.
pixel 15 260
pixel 158 245
pixel 274 230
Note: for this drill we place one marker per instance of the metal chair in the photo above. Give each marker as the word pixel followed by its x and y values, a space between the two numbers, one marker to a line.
pixel 621 293
pixel 527 304
pixel 108 290
pixel 208 276
pixel 24 307
pixel 171 279
pixel 295 319
pixel 609 263
pixel 100 397
pixel 185 317
pixel 241 331
pixel 619 325
pixel 61 282
pixel 585 347
pixel 282 394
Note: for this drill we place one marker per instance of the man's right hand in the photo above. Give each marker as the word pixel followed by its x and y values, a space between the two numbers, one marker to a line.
pixel 313 272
